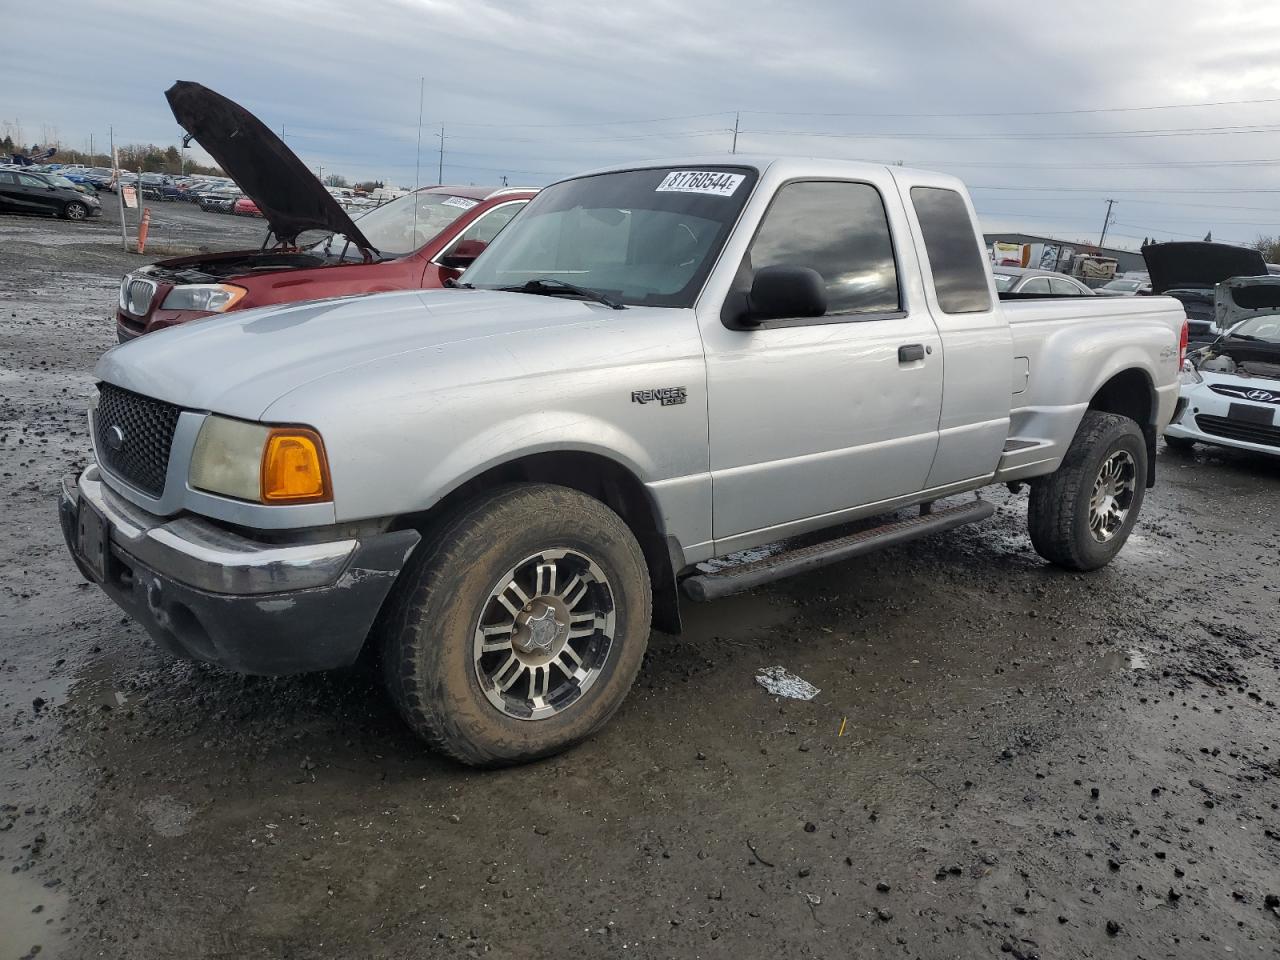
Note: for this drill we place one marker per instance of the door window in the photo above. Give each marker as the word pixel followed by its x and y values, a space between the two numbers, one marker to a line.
pixel 1036 285
pixel 490 224
pixel 959 276
pixel 1065 288
pixel 27 180
pixel 838 229
pixel 8 178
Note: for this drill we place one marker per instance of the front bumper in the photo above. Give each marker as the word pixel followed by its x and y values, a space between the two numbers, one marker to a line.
pixel 1206 417
pixel 129 327
pixel 204 593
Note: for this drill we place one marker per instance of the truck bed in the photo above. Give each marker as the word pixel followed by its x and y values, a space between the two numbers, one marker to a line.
pixel 1057 341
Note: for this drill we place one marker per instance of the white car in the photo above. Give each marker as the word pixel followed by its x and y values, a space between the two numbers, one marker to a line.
pixel 1230 393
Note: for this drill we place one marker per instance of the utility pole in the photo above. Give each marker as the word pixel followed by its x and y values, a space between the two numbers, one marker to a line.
pixel 417 158
pixel 736 118
pixel 91 146
pixel 1106 222
pixel 115 176
pixel 440 171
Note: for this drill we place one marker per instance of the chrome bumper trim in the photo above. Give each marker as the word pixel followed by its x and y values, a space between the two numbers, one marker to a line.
pixel 202 555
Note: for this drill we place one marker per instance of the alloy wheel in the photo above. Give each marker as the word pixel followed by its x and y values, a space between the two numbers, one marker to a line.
pixel 545 634
pixel 1112 496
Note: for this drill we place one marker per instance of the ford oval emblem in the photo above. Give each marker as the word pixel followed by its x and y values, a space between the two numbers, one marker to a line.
pixel 115 437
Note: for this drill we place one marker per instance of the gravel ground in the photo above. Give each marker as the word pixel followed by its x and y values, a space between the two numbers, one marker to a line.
pixel 1004 758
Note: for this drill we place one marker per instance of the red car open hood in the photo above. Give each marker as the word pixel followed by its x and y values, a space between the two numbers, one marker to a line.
pixel 271 175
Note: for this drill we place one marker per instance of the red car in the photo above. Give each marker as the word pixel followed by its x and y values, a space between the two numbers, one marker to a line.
pixel 244 207
pixel 421 240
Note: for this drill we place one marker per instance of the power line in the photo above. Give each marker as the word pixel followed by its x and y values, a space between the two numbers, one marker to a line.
pixel 783 113
pixel 1023 113
pixel 715 132
pixel 593 123
pixel 1122 165
pixel 1190 190
pixel 1162 203
pixel 1079 135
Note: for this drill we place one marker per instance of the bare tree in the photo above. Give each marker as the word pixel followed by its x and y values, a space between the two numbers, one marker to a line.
pixel 1269 247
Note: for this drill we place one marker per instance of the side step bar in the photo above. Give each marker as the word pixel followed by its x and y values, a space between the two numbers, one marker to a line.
pixel 725 583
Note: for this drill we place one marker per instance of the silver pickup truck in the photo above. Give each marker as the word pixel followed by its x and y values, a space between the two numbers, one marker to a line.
pixel 499 488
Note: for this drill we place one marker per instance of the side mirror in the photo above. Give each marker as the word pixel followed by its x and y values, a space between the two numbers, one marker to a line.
pixel 463 254
pixel 778 293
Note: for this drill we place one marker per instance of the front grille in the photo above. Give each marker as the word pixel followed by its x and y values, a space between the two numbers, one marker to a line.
pixel 1246 393
pixel 133 435
pixel 136 294
pixel 1239 430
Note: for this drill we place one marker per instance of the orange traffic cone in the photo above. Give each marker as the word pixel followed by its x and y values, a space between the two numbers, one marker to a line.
pixel 142 229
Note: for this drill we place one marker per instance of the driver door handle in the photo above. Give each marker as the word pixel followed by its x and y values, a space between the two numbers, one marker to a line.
pixel 910 352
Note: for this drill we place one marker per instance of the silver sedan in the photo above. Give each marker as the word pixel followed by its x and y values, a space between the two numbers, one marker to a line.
pixel 1046 282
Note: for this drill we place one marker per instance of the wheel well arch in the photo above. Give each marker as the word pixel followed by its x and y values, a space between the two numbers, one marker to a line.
pixel 598 476
pixel 1130 393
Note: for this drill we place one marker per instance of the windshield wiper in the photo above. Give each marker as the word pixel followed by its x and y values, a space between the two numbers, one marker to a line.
pixel 551 287
pixel 459 284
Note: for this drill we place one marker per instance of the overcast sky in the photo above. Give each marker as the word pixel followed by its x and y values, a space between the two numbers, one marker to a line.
pixel 536 90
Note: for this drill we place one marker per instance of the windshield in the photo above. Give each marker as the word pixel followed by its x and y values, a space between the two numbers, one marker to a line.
pixel 1259 328
pixel 404 225
pixel 1003 282
pixel 59 181
pixel 1123 285
pixel 642 237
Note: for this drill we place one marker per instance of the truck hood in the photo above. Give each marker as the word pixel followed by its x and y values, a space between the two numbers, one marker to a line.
pixel 1203 265
pixel 238 364
pixel 271 175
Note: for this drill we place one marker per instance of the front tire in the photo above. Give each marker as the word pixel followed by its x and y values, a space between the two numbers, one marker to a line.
pixel 75 210
pixel 518 628
pixel 1181 444
pixel 1081 514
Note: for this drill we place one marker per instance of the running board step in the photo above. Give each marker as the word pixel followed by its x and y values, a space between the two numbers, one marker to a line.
pixel 724 583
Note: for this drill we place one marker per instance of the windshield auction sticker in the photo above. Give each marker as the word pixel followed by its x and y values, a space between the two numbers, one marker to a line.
pixel 701 181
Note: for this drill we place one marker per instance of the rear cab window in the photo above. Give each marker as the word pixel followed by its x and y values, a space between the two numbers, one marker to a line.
pixel 950 240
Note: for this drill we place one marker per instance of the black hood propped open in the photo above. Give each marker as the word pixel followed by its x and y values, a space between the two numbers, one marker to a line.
pixel 1177 266
pixel 271 175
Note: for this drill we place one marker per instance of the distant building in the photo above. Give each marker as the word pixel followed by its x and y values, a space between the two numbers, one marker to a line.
pixel 1126 260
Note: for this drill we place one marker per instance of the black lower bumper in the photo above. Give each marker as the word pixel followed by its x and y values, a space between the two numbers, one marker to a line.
pixel 289 631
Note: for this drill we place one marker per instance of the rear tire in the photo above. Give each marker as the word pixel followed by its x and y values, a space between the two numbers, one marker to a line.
pixel 1081 514
pixel 518 627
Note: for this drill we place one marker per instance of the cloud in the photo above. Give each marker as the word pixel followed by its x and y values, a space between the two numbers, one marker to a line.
pixel 536 90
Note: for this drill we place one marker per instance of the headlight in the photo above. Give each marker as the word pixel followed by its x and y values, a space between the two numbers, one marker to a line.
pixel 1189 376
pixel 261 464
pixel 211 297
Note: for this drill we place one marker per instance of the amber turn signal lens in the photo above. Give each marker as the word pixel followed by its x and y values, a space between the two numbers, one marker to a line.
pixel 294 468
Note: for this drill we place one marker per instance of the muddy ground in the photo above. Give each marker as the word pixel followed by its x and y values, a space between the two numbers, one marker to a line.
pixel 1033 763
